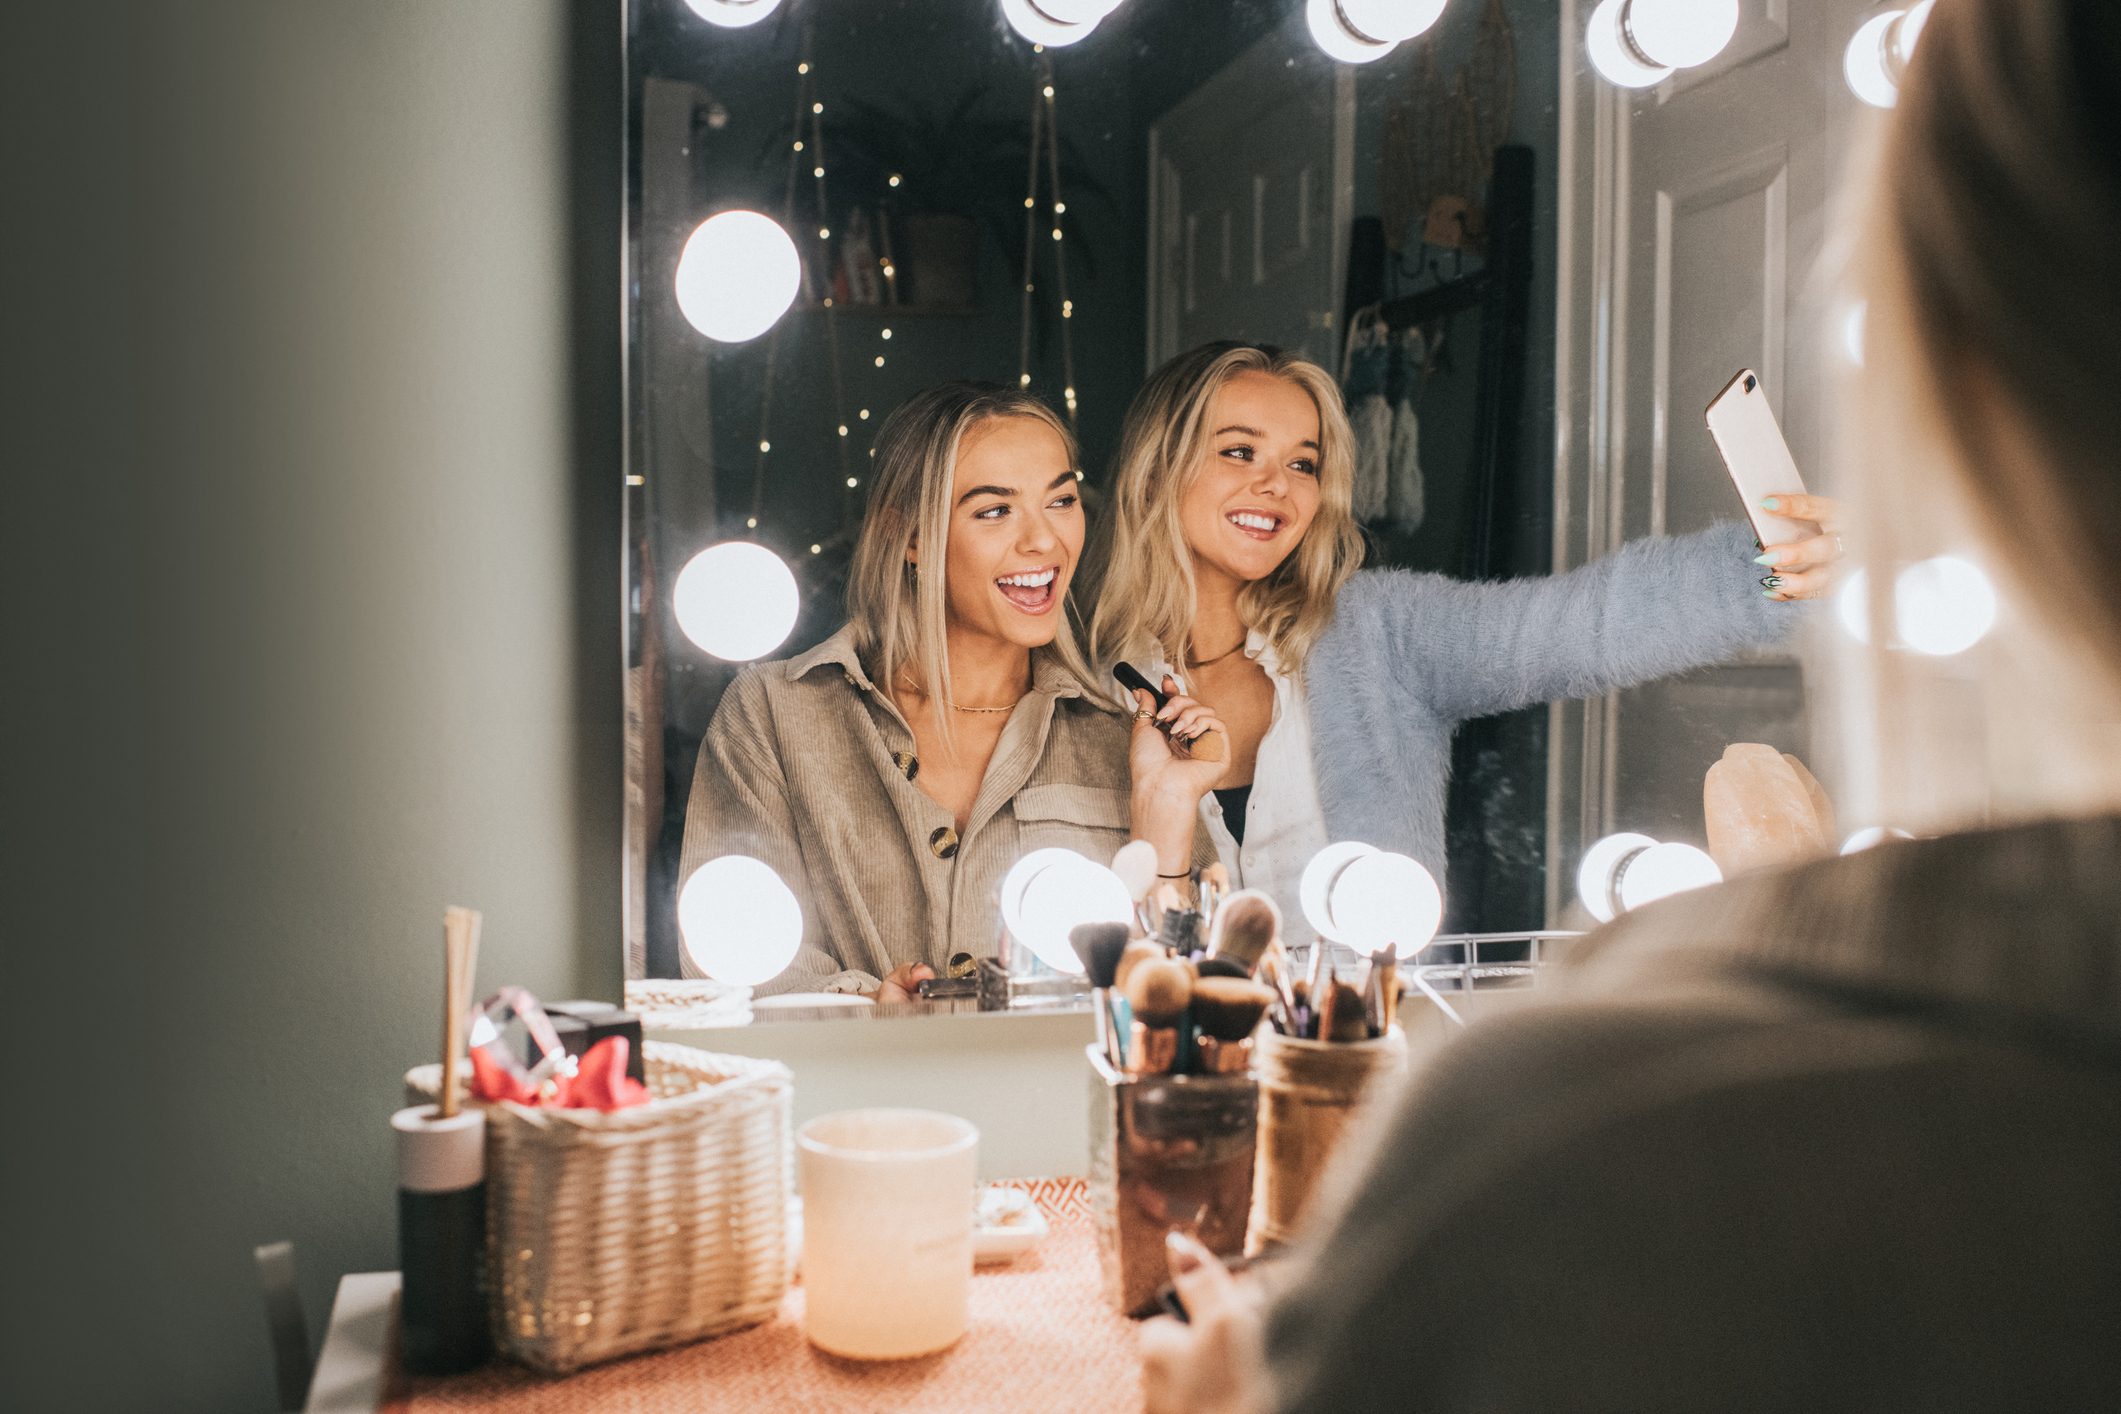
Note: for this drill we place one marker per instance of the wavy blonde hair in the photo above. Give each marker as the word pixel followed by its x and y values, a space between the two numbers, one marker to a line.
pixel 1147 592
pixel 901 617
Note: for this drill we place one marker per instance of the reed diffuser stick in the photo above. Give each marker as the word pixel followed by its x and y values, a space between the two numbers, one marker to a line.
pixel 460 963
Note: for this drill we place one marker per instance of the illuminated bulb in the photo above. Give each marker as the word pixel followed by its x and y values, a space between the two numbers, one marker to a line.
pixel 1023 380
pixel 751 522
pixel 1037 24
pixel 1389 21
pixel 817 108
pixel 803 68
pixel 1332 35
pixel 1612 55
pixel 1060 208
pixel 894 179
pixel 1679 34
pixel 737 274
pixel 817 171
pixel 1594 877
pixel 798 144
pixel 1067 893
pixel 887 333
pixel 733 14
pixel 843 429
pixel 1872 65
pixel 817 549
pixel 1663 870
pixel 879 360
pixel 1852 326
pixel 765 446
pixel 824 234
pixel 1048 90
pixel 740 924
pixel 1943 606
pixel 1056 233
pixel 1019 878
pixel 851 483
pixel 1385 898
pixel 1852 606
pixel 863 414
pixel 1871 837
pixel 1076 12
pixel 736 600
pixel 1324 870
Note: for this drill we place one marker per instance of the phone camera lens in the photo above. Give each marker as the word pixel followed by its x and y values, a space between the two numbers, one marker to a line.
pixel 1751 382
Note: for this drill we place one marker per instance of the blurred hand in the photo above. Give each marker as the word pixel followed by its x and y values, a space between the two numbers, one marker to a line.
pixel 899 983
pixel 1214 1362
pixel 1810 567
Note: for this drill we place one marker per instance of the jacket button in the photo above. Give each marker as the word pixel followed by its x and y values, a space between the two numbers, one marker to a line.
pixel 907 762
pixel 943 843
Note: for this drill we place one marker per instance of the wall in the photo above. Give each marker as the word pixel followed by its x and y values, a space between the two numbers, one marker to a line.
pixel 319 468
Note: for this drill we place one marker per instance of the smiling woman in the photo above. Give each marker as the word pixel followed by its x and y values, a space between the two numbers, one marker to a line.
pixel 892 774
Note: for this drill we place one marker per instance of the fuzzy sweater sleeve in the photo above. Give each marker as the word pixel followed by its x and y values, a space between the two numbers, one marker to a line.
pixel 1652 608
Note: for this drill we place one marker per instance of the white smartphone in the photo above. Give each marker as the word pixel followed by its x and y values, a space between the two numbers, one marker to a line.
pixel 1757 457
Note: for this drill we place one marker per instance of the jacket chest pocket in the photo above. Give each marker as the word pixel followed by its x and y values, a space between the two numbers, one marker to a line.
pixel 1091 820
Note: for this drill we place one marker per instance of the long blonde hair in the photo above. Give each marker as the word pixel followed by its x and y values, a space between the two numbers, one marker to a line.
pixel 1988 411
pixel 901 617
pixel 1147 593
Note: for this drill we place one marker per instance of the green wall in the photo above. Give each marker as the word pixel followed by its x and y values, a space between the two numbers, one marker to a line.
pixel 314 448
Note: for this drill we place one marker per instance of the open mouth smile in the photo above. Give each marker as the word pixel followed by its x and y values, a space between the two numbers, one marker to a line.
pixel 1032 591
pixel 1260 525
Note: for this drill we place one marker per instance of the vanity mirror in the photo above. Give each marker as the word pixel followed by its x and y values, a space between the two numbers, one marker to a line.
pixel 1526 278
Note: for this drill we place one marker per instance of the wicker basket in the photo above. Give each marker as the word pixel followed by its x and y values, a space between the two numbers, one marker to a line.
pixel 614 1234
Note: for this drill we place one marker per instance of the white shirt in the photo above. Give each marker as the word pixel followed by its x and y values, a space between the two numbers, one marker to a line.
pixel 1284 825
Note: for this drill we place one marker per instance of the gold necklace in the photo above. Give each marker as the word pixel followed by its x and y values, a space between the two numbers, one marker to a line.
pixel 1198 663
pixel 913 691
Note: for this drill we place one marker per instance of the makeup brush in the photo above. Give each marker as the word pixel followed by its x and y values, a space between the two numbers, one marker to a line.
pixel 1136 953
pixel 1247 924
pixel 1100 946
pixel 1208 746
pixel 1315 985
pixel 1342 1018
pixel 1214 888
pixel 460 964
pixel 1221 967
pixel 1135 863
pixel 1379 974
pixel 1159 992
pixel 1274 971
pixel 1227 1011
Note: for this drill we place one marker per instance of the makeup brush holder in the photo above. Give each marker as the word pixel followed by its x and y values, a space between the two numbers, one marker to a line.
pixel 1166 1152
pixel 1311 1096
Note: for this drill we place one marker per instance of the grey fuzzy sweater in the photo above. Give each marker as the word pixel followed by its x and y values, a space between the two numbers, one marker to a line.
pixel 1409 656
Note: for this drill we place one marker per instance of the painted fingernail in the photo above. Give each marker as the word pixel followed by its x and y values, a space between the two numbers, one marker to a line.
pixel 1771 594
pixel 1767 559
pixel 1771 504
pixel 1773 581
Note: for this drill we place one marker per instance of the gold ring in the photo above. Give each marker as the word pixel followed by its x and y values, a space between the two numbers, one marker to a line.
pixel 1143 714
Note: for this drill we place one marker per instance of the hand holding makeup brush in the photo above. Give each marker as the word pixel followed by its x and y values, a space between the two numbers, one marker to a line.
pixel 1214 1362
pixel 1168 782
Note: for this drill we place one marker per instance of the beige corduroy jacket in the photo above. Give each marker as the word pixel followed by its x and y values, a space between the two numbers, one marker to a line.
pixel 810 766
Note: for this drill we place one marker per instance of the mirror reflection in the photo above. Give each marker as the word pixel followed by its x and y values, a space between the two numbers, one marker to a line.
pixel 987 358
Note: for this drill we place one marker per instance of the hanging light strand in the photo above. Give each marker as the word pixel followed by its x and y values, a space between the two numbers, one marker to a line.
pixel 1060 253
pixel 803 100
pixel 1023 339
pixel 832 323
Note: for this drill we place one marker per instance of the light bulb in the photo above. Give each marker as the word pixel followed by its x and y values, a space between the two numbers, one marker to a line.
pixel 1910 30
pixel 1386 898
pixel 737 274
pixel 1332 35
pixel 1871 837
pixel 1870 65
pixel 1943 606
pixel 1018 879
pixel 1316 890
pixel 1852 606
pixel 1680 34
pixel 1389 21
pixel 1610 53
pixel 740 924
pixel 1035 24
pixel 1067 892
pixel 1663 870
pixel 733 14
pixel 1852 330
pixel 1594 877
pixel 737 600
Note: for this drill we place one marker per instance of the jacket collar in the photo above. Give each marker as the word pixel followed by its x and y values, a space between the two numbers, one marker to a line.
pixel 1050 678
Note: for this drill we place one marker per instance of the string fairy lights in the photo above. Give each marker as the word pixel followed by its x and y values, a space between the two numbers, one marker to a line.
pixel 1045 134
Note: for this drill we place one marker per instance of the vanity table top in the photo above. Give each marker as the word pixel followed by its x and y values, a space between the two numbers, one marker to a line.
pixel 1041 1338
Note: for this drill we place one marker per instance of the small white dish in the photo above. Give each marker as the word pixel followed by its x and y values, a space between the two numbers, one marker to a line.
pixel 1006 1225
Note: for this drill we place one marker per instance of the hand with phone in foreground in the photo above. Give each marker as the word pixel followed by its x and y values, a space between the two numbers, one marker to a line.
pixel 1214 1362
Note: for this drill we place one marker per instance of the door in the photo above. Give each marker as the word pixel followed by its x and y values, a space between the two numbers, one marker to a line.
pixel 1693 220
pixel 1251 190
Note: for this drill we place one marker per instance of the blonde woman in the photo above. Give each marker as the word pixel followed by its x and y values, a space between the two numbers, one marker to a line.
pixel 892 774
pixel 1233 565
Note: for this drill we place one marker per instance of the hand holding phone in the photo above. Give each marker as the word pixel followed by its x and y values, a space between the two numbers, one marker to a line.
pixel 1798 557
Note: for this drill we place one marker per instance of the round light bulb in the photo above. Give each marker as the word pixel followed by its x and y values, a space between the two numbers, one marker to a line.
pixel 1062 896
pixel 1682 33
pixel 1943 606
pixel 1386 898
pixel 1852 606
pixel 1663 870
pixel 733 14
pixel 736 600
pixel 1316 890
pixel 740 924
pixel 1594 876
pixel 1871 837
pixel 1018 879
pixel 1609 50
pixel 1868 66
pixel 1040 27
pixel 1332 35
pixel 1852 329
pixel 1909 31
pixel 1390 21
pixel 737 274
